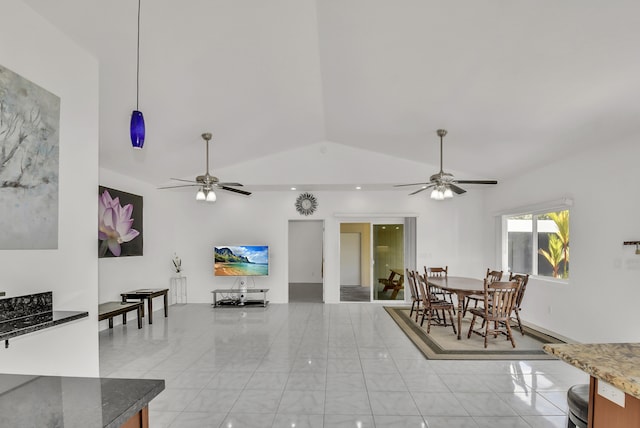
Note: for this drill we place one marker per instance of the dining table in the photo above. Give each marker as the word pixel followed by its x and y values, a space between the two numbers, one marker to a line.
pixel 462 287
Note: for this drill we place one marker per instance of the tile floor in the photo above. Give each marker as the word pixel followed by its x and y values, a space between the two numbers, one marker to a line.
pixel 322 365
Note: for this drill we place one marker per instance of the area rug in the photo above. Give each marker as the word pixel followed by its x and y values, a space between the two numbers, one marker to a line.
pixel 442 344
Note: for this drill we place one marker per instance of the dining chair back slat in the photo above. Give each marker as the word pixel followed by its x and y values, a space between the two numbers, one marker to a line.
pixel 437 272
pixel 493 275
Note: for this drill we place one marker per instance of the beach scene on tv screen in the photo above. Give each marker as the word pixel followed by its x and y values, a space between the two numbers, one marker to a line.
pixel 241 260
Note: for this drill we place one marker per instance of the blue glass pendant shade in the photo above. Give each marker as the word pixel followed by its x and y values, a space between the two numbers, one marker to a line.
pixel 137 129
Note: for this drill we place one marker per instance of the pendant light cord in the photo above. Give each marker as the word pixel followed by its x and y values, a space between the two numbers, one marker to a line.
pixel 138 59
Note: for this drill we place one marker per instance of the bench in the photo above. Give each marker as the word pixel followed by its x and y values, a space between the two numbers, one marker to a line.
pixel 108 310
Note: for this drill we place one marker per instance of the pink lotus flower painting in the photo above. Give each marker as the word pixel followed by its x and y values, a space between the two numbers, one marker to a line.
pixel 119 223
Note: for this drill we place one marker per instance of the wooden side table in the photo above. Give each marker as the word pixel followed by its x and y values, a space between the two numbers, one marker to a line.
pixel 149 294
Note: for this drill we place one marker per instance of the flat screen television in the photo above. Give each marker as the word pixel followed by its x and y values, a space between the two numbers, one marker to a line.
pixel 241 260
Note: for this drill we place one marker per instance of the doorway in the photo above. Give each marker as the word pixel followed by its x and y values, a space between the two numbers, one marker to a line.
pixel 355 262
pixel 306 261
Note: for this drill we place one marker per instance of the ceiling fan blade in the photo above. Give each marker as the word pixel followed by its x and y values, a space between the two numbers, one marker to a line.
pixel 421 189
pixel 457 190
pixel 180 185
pixel 476 182
pixel 186 181
pixel 231 189
pixel 411 184
pixel 229 184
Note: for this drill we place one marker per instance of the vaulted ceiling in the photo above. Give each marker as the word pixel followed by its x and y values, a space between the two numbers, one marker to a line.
pixel 516 83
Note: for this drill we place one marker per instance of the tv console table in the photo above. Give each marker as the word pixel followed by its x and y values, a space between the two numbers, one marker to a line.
pixel 238 298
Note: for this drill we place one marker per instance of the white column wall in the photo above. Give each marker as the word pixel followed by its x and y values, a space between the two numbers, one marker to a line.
pixel 34 49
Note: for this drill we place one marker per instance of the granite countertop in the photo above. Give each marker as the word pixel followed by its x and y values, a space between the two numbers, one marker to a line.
pixel 72 401
pixel 29 324
pixel 32 312
pixel 615 363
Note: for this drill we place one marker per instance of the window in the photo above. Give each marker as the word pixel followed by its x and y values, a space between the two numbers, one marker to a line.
pixel 538 243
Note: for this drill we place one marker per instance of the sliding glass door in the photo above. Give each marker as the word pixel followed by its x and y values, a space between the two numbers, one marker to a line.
pixel 388 261
pixel 373 257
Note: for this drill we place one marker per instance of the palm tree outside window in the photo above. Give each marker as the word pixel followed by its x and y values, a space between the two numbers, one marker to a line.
pixel 538 243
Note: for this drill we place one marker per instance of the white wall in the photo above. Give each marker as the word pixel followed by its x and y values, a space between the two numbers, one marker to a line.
pixel 34 49
pixel 154 268
pixel 600 302
pixel 446 234
pixel 305 251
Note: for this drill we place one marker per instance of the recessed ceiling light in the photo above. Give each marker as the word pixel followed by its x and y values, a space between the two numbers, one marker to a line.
pixel 293 188
pixel 358 187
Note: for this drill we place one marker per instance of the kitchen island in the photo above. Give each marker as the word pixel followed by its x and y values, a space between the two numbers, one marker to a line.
pixel 614 390
pixel 58 401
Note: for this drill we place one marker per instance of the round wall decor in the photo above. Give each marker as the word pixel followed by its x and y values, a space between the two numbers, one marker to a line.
pixel 306 203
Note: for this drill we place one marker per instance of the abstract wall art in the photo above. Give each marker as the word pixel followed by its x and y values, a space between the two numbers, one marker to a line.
pixel 119 223
pixel 29 138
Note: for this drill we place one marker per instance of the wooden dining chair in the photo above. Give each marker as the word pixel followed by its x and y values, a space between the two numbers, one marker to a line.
pixel 439 272
pixel 524 279
pixel 431 306
pixel 491 276
pixel 499 300
pixel 415 294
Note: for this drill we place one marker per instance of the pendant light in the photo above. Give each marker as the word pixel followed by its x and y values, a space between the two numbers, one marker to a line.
pixel 137 119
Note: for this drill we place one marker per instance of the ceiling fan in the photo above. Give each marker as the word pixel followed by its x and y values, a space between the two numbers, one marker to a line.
pixel 207 182
pixel 444 185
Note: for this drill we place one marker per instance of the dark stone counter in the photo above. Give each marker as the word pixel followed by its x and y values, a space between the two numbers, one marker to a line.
pixel 26 314
pixel 58 402
pixel 20 326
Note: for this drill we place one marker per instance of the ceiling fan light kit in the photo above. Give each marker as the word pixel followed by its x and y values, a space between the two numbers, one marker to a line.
pixel 441 192
pixel 137 128
pixel 444 185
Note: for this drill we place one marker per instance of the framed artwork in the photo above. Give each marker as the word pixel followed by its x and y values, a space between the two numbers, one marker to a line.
pixel 119 223
pixel 29 163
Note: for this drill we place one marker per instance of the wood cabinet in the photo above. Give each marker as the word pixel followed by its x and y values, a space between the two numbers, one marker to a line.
pixel 604 413
pixel 139 420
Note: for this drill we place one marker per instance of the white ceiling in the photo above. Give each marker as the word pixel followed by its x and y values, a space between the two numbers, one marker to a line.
pixel 516 83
